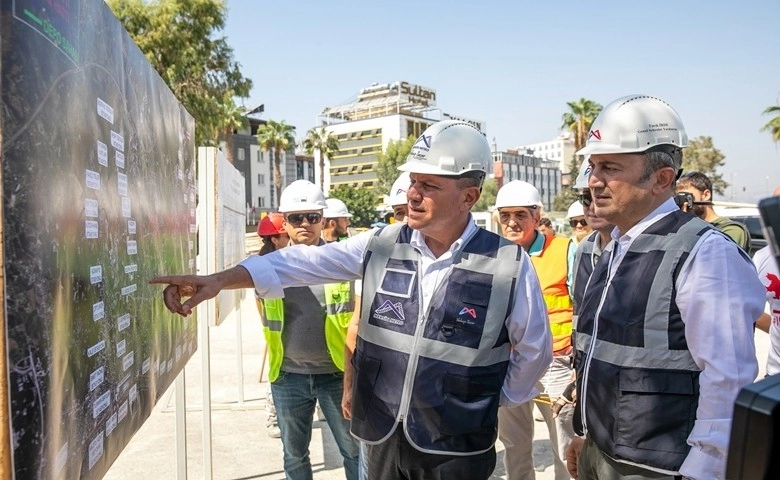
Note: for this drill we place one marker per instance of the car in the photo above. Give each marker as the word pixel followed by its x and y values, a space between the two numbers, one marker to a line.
pixel 754 226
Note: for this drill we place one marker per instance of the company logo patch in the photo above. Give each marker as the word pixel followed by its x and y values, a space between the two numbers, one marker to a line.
pixel 594 133
pixel 426 139
pixel 468 311
pixel 587 171
pixel 396 309
pixel 774 285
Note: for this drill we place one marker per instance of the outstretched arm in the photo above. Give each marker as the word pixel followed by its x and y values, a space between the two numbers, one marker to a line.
pixel 200 287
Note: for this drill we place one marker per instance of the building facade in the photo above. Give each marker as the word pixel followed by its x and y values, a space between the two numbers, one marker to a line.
pixel 364 127
pixel 543 174
pixel 560 150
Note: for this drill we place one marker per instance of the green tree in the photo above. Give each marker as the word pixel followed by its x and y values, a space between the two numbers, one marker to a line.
pixel 702 156
pixel 387 164
pixel 773 125
pixel 180 39
pixel 564 199
pixel 234 119
pixel 276 137
pixel 579 120
pixel 487 199
pixel 322 141
pixel 361 203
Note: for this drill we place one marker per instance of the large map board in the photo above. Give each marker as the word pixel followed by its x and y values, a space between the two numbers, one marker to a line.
pixel 98 196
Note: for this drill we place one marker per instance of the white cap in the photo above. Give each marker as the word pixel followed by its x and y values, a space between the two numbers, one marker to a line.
pixel 336 209
pixel 301 196
pixel 398 190
pixel 518 194
pixel 575 210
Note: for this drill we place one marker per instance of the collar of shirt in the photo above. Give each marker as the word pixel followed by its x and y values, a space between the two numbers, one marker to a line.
pixel 622 242
pixel 418 241
pixel 537 246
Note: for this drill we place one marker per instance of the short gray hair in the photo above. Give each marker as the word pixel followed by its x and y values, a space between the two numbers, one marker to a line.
pixel 658 159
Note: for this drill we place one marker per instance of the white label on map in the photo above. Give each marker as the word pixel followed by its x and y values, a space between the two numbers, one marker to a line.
pixel 123 322
pixel 132 268
pixel 125 207
pixel 93 179
pixel 96 348
pixel 128 361
pixel 178 352
pixel 96 378
pixel 91 229
pixel 145 366
pixel 98 311
pixel 122 411
pixel 95 274
pixel 90 208
pixel 119 159
pixel 117 141
pixel 101 404
pixel 121 347
pixel 102 151
pixel 111 424
pixel 95 450
pixel 121 180
pixel 132 247
pixel 105 110
pixel 131 227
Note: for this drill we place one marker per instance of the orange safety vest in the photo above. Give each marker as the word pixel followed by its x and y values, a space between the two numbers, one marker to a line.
pixel 552 268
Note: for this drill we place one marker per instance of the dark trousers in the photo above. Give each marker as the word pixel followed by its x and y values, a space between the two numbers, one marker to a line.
pixel 396 459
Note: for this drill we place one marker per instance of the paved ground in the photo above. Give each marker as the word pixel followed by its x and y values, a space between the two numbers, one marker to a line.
pixel 241 450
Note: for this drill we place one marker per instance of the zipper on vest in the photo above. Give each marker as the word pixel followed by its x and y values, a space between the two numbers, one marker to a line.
pixel 411 368
pixel 592 346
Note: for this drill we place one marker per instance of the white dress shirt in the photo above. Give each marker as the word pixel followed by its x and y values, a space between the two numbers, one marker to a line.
pixel 719 298
pixel 527 324
pixel 769 276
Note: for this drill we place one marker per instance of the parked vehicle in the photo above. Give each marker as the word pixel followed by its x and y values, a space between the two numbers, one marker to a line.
pixel 753 224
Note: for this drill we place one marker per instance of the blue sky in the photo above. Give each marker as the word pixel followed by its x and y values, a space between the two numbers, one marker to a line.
pixel 515 64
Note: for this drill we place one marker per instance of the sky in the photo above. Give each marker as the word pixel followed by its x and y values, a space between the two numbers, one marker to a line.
pixel 514 64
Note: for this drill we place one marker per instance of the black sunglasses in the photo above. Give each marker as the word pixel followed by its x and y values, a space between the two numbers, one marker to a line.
pixel 583 223
pixel 585 198
pixel 296 219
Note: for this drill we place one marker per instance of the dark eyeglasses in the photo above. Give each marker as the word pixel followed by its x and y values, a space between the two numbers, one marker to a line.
pixel 585 198
pixel 296 219
pixel 574 223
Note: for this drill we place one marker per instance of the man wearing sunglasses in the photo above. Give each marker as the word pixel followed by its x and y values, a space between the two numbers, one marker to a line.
pixel 305 332
pixel 519 207
pixel 453 321
pixel 578 223
pixel 694 195
pixel 664 334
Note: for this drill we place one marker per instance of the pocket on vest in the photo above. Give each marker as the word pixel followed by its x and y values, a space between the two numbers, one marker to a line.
pixel 470 403
pixel 366 371
pixel 655 409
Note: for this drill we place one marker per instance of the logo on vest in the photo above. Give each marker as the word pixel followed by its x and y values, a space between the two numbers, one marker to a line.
pixel 463 315
pixel 396 309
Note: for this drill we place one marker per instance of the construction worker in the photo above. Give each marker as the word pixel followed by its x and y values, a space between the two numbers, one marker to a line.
pixel 397 197
pixel 453 320
pixel 305 332
pixel 519 206
pixel 664 334
pixel 579 225
pixel 337 221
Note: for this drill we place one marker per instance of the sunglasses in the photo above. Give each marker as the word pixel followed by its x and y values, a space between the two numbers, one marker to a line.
pixel 296 219
pixel 585 198
pixel 574 223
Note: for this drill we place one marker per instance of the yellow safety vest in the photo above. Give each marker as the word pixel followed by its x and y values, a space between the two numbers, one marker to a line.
pixel 552 268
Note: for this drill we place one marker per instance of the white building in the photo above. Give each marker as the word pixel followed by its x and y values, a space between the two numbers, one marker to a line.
pixel 542 174
pixel 560 149
pixel 365 126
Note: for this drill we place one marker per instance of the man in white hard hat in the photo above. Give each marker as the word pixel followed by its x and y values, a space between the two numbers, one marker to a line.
pixel 519 206
pixel 664 335
pixel 453 320
pixel 397 198
pixel 577 221
pixel 336 226
pixel 305 332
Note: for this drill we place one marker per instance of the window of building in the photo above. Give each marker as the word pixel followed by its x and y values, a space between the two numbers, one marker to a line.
pixel 260 158
pixel 260 179
pixel 241 154
pixel 261 201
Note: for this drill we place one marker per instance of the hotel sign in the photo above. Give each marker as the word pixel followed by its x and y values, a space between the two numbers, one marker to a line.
pixel 418 94
pixel 478 124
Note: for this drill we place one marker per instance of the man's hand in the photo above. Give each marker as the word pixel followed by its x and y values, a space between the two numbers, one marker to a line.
pixel 573 455
pixel 197 287
pixel 346 404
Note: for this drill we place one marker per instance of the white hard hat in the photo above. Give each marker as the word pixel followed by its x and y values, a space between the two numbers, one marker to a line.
pixel 336 209
pixel 582 176
pixel 451 148
pixel 575 210
pixel 518 194
pixel 398 190
pixel 301 196
pixel 633 124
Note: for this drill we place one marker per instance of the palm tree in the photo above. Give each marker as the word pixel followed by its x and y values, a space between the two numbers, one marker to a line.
pixel 322 141
pixel 233 118
pixel 773 125
pixel 276 137
pixel 579 119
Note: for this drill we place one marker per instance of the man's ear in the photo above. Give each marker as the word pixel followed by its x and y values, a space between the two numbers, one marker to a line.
pixel 706 196
pixel 471 196
pixel 665 179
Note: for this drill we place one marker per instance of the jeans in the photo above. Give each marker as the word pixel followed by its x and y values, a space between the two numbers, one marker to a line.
pixel 295 397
